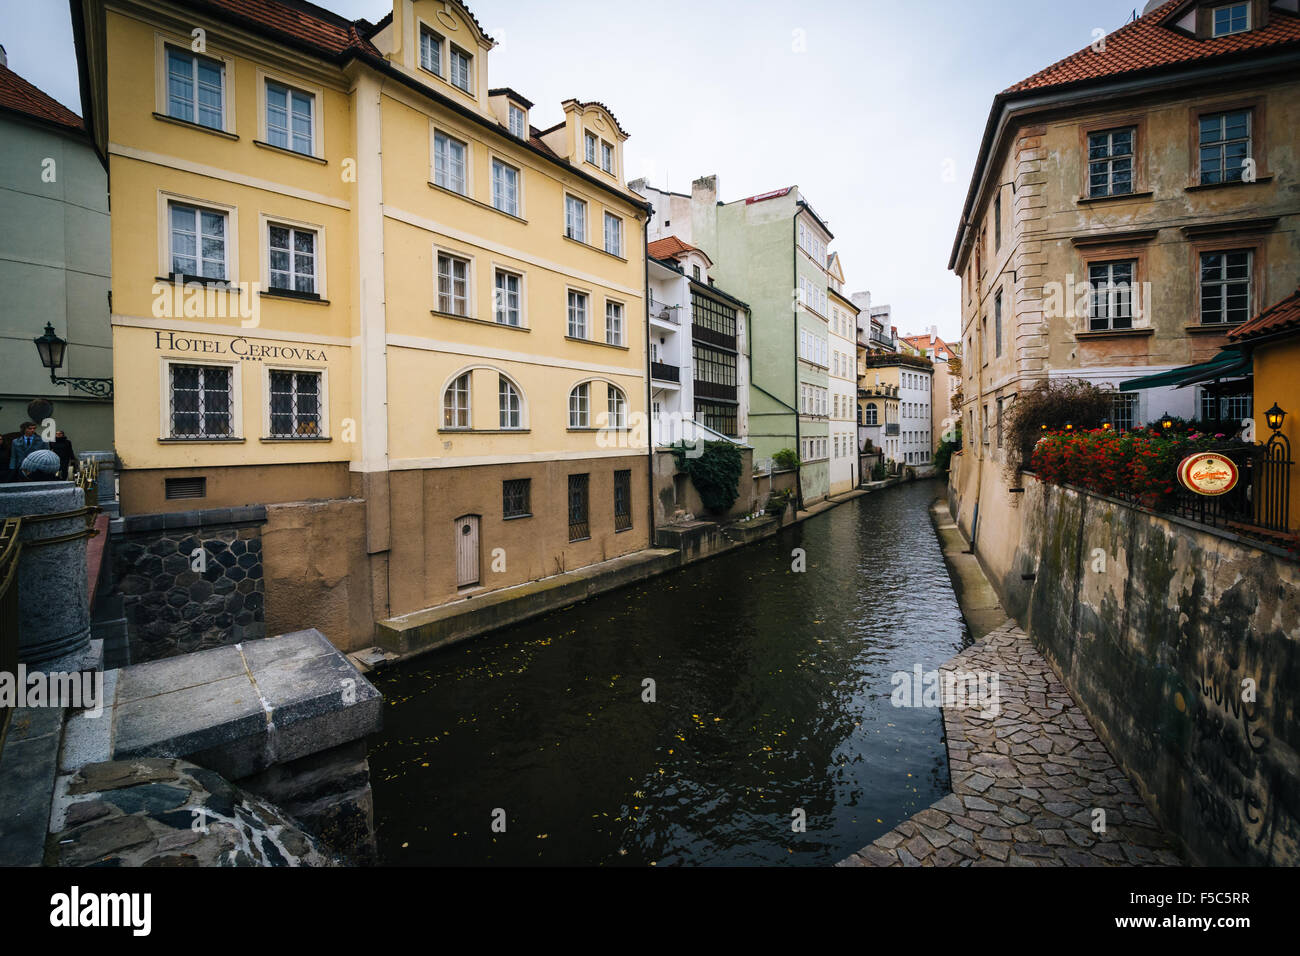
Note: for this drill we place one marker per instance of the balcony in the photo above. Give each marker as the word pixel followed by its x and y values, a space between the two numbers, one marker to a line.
pixel 703 334
pixel 663 372
pixel 713 390
pixel 664 313
pixel 877 391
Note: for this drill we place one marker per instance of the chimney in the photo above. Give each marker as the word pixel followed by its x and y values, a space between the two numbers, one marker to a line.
pixel 4 59
pixel 705 190
pixel 862 300
pixel 638 185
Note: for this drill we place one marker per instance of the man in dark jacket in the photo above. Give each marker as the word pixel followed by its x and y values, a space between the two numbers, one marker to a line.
pixel 68 464
pixel 24 445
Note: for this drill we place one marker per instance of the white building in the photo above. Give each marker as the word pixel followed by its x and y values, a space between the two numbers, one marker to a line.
pixel 842 325
pixel 915 404
pixel 699 379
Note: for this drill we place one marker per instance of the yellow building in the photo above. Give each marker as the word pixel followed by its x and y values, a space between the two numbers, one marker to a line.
pixel 1272 340
pixel 348 270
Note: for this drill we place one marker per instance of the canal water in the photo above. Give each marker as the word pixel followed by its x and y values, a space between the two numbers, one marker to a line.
pixel 772 702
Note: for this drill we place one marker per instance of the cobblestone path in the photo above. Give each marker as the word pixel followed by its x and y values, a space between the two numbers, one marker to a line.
pixel 1026 781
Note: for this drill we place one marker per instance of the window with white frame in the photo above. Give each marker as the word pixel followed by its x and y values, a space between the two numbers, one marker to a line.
pixel 1123 411
pixel 505 187
pixel 1224 146
pixel 293 258
pixel 290 118
pixel 614 323
pixel 1110 162
pixel 575 218
pixel 580 406
pixel 577 314
pixel 1234 18
pixel 198 241
pixel 196 88
pixel 295 404
pixel 613 234
pixel 1111 294
pixel 1225 286
pixel 430 51
pixel 202 401
pixel 617 408
pixel 449 163
pixel 511 404
pixel 453 284
pixel 460 68
pixel 506 295
pixel 606 157
pixel 518 121
pixel 590 145
pixel 455 403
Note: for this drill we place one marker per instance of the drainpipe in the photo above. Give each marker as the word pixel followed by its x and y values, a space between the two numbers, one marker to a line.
pixel 649 395
pixel 794 336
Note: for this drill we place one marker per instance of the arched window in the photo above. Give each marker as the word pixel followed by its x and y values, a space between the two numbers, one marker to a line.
pixel 455 403
pixel 871 414
pixel 580 406
pixel 617 408
pixel 511 404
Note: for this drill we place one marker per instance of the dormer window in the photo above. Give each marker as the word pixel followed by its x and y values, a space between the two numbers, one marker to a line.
pixel 1234 18
pixel 430 51
pixel 460 69
pixel 590 140
pixel 606 157
pixel 518 122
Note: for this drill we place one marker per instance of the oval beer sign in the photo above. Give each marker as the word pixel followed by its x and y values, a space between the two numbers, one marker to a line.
pixel 1208 473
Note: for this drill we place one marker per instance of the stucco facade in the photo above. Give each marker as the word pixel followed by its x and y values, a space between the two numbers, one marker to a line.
pixel 461 343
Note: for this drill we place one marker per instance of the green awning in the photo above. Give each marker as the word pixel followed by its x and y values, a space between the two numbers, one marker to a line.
pixel 1228 362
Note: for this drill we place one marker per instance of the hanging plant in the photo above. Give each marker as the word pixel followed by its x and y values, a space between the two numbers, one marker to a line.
pixel 715 473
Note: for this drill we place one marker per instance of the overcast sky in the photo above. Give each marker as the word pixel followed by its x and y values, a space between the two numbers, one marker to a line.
pixel 858 104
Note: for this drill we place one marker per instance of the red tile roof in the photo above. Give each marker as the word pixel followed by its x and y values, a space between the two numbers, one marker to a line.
pixel 19 96
pixel 309 25
pixel 669 247
pixel 1152 41
pixel 1283 316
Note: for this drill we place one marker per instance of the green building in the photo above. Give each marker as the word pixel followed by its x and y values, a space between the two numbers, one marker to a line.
pixel 774 247
pixel 54 262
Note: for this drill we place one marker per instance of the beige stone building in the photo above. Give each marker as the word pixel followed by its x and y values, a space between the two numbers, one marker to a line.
pixel 1130 206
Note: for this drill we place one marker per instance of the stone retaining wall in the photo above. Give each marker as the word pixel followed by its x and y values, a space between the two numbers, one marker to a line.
pixel 1181 643
pixel 171 607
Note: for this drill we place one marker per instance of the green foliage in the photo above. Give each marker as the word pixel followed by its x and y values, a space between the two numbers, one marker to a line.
pixel 777 502
pixel 943 454
pixel 1082 404
pixel 786 459
pixel 879 472
pixel 715 473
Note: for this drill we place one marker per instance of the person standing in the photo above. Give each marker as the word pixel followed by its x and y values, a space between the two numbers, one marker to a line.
pixel 68 464
pixel 24 445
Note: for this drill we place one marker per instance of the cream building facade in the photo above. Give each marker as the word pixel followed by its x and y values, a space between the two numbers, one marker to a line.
pixel 354 283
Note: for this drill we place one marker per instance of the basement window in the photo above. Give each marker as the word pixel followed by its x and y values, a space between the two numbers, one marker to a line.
pixel 196 487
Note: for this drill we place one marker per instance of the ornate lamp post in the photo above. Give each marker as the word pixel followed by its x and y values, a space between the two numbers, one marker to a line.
pixel 52 349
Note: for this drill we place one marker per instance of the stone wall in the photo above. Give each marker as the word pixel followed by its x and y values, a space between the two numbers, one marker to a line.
pixel 172 608
pixel 1182 644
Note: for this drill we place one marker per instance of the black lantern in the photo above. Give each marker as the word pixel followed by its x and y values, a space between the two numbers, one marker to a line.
pixel 1167 422
pixel 1043 426
pixel 1069 426
pixel 1274 417
pixel 52 349
pixel 1105 425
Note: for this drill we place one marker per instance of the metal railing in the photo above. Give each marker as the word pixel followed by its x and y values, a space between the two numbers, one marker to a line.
pixel 663 372
pixel 10 551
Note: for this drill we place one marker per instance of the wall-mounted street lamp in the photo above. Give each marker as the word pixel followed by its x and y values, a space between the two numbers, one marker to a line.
pixel 51 349
pixel 1274 416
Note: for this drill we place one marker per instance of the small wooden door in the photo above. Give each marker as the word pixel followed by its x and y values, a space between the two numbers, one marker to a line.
pixel 467 548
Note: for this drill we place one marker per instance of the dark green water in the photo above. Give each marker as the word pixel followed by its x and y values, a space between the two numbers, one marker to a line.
pixel 773 693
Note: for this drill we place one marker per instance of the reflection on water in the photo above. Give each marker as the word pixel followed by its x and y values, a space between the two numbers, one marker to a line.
pixel 772 694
